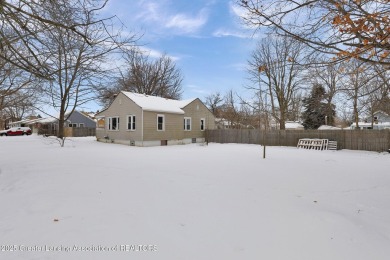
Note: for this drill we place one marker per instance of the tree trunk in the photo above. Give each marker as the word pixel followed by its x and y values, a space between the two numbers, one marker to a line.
pixel 61 123
pixel 282 123
pixel 356 113
pixel 282 119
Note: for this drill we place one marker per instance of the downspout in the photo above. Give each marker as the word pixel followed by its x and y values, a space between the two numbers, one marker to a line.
pixel 142 125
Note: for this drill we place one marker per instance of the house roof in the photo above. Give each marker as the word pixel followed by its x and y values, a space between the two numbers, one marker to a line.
pixel 328 127
pixel 293 125
pixel 158 104
pixel 380 111
pixel 54 119
pixel 361 124
pixel 25 121
pixel 46 120
pixel 222 121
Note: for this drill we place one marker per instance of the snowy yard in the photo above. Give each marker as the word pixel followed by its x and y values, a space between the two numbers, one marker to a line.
pixel 93 200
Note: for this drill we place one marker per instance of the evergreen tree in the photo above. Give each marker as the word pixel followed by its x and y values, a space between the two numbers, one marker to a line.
pixel 317 111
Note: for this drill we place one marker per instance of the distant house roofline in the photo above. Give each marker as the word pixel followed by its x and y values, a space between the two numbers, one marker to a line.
pixel 380 111
pixel 49 119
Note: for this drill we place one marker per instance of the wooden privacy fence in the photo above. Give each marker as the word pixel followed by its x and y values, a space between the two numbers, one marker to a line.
pixel 368 140
pixel 70 131
pixel 81 131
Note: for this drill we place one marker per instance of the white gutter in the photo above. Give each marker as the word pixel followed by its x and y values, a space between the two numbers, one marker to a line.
pixel 142 124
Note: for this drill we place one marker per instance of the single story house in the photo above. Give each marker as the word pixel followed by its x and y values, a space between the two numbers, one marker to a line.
pixel 50 124
pixel 379 121
pixel 143 120
pixel 222 123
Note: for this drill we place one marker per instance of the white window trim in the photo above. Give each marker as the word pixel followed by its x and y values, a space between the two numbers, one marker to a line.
pixel 133 118
pixel 163 125
pixel 185 123
pixel 81 125
pixel 109 123
pixel 204 124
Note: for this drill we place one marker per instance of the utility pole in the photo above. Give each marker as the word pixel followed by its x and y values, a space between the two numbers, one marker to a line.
pixel 265 125
pixel 261 69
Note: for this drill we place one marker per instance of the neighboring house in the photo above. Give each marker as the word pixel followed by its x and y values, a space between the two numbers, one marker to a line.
pixel 222 123
pixel 26 123
pixel 78 119
pixel 142 120
pixel 380 120
pixel 289 125
pixel 50 124
pixel 379 117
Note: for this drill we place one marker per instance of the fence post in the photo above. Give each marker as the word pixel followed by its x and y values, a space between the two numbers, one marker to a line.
pixel 388 140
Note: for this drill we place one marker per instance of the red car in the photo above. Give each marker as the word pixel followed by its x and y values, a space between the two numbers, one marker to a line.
pixel 16 131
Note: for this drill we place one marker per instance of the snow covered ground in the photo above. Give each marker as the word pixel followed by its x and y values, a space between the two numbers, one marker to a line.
pixel 93 200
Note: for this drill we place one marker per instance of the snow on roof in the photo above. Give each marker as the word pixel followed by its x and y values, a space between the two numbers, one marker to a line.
pixel 369 124
pixel 158 104
pixel 222 121
pixel 328 127
pixel 380 111
pixel 293 125
pixel 48 120
pixel 25 121
pixel 366 125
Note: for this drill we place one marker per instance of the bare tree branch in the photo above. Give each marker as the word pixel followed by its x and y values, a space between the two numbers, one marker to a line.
pixel 346 29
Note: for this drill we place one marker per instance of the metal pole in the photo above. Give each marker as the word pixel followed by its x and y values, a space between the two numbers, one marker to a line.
pixel 266 122
pixel 260 70
pixel 264 146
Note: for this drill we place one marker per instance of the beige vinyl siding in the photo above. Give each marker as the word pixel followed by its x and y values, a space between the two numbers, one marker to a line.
pixel 121 107
pixel 197 110
pixel 146 123
pixel 173 126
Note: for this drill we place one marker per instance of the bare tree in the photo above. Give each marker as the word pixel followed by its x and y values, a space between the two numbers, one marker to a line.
pixel 295 107
pixel 247 116
pixel 344 115
pixel 213 102
pixel 230 109
pixel 261 109
pixel 76 61
pixel 275 72
pixel 24 24
pixel 376 92
pixel 357 78
pixel 157 77
pixel 17 92
pixel 346 29
pixel 382 98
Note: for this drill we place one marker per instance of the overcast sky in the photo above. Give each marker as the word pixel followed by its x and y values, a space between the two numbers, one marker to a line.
pixel 206 37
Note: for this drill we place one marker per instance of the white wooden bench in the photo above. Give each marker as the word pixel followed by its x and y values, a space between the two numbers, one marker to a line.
pixel 314 144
